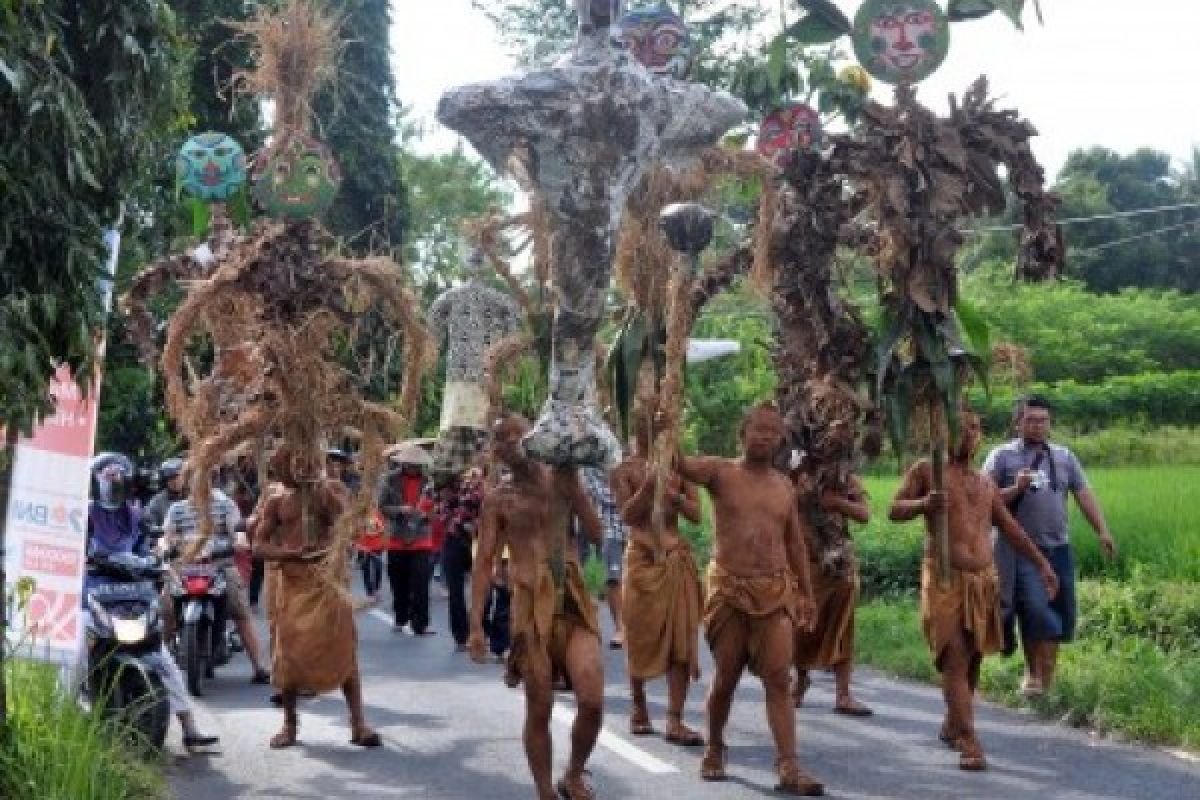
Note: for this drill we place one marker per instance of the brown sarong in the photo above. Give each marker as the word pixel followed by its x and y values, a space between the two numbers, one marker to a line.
pixel 832 641
pixel 751 604
pixel 968 602
pixel 543 620
pixel 660 603
pixel 315 645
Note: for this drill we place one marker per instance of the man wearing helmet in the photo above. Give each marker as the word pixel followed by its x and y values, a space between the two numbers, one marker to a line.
pixel 170 476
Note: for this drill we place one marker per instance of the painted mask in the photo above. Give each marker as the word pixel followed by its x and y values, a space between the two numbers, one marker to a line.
pixel 794 127
pixel 901 41
pixel 211 166
pixel 297 179
pixel 658 39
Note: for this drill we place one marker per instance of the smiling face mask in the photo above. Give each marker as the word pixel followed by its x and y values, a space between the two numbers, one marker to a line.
pixel 901 41
pixel 296 180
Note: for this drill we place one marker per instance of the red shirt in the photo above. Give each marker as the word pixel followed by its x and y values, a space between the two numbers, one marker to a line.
pixel 413 493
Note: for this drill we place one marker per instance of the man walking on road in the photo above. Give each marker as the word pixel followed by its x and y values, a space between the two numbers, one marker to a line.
pixel 1034 477
pixel 554 627
pixel 959 613
pixel 751 610
pixel 458 510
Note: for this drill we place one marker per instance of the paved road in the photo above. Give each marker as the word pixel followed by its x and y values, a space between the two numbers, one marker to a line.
pixel 452 732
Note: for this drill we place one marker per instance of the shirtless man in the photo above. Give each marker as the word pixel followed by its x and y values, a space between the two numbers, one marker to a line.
pixel 834 570
pixel 314 640
pixel 961 616
pixel 662 591
pixel 752 608
pixel 554 626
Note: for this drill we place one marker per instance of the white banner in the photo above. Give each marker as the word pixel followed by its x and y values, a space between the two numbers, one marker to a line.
pixel 47 515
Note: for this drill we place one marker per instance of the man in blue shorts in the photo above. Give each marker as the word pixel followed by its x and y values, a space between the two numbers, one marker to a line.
pixel 1035 478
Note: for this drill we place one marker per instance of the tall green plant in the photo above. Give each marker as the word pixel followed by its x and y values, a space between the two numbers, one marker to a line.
pixel 86 93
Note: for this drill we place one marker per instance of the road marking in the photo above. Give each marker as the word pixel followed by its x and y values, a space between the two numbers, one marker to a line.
pixel 610 741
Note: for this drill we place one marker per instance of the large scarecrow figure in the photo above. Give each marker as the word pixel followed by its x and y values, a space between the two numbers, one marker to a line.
pixel 278 304
pixel 471 318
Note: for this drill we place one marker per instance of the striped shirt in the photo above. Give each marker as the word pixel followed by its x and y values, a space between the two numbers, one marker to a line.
pixel 183 521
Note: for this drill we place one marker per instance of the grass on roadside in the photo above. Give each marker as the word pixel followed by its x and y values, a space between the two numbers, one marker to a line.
pixel 55 750
pixel 1129 685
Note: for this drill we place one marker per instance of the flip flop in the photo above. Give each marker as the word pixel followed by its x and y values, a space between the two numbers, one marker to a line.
pixel 580 791
pixel 284 739
pixel 853 709
pixel 797 782
pixel 712 765
pixel 686 738
pixel 641 726
pixel 371 739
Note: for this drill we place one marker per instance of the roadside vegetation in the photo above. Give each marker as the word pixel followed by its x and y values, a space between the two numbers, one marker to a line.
pixel 56 750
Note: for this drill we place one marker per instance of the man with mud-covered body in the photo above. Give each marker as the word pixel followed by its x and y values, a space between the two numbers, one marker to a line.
pixel 553 620
pixel 752 607
pixel 960 614
pixel 315 644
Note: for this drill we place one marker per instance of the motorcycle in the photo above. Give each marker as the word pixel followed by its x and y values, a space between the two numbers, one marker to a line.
pixel 124 632
pixel 199 597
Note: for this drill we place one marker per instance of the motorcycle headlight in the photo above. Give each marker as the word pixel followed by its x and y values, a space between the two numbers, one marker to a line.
pixel 130 631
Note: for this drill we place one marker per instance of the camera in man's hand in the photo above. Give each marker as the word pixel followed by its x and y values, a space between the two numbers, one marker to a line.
pixel 1037 480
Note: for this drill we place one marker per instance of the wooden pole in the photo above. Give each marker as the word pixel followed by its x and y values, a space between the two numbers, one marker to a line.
pixel 941 520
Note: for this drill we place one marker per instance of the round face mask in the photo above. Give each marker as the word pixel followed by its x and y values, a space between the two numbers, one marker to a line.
pixel 901 41
pixel 211 166
pixel 794 127
pixel 296 180
pixel 657 38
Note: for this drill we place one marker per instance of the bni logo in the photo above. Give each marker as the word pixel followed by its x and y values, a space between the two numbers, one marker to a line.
pixel 57 517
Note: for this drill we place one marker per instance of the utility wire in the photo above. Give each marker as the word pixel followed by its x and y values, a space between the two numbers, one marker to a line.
pixel 1148 234
pixel 1080 220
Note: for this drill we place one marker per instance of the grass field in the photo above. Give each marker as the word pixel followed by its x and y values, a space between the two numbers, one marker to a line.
pixel 1153 512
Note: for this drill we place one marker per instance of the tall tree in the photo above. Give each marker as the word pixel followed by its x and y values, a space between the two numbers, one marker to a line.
pixel 356 118
pixel 215 56
pixel 87 90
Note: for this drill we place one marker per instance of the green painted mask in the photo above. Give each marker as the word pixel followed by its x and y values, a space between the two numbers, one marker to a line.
pixel 297 179
pixel 211 166
pixel 901 41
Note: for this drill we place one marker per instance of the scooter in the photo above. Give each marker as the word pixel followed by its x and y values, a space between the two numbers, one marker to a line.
pixel 199 596
pixel 124 631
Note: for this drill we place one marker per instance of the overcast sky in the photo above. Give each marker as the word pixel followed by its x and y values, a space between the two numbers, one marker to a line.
pixel 1118 74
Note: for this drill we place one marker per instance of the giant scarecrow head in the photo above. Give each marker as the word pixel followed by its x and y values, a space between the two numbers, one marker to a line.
pixel 901 41
pixel 296 179
pixel 211 166
pixel 658 39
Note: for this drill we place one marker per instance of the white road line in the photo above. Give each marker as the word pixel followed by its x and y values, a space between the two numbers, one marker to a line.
pixel 610 741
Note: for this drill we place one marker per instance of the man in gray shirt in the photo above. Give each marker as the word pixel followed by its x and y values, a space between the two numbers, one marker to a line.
pixel 1035 477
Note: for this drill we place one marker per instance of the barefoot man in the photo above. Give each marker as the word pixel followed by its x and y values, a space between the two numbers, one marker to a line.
pixel 752 608
pixel 662 591
pixel 554 626
pixel 315 643
pixel 961 615
pixel 834 570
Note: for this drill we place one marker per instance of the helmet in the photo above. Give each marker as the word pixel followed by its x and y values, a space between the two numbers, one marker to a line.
pixel 171 468
pixel 111 473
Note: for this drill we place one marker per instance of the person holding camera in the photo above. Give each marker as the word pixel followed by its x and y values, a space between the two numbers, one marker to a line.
pixel 1035 476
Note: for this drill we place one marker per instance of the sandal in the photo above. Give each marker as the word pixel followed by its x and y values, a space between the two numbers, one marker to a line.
pixel 852 708
pixel 639 723
pixel 366 739
pixel 712 766
pixel 574 790
pixel 285 738
pixel 971 758
pixel 795 781
pixel 685 737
